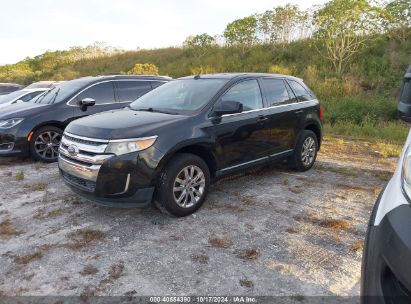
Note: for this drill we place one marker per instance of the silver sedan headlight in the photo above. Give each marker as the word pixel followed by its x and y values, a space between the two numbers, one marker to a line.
pixel 124 146
pixel 9 123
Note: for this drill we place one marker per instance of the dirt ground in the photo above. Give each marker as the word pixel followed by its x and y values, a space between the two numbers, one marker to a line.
pixel 269 231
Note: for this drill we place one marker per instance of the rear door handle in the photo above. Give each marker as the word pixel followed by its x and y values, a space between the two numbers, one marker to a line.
pixel 262 117
pixel 298 111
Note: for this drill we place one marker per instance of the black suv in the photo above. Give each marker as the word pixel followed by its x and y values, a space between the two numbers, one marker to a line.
pixel 173 141
pixel 36 127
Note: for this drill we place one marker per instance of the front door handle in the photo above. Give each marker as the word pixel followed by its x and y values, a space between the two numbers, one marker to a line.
pixel 298 111
pixel 262 118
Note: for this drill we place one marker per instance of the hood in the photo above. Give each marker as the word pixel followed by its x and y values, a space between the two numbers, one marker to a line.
pixel 122 124
pixel 21 110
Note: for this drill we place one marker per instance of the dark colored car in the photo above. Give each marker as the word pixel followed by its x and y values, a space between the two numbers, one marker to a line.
pixel 386 270
pixel 36 127
pixel 6 88
pixel 173 141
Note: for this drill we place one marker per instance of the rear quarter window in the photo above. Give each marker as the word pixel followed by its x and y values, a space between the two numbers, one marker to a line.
pixel 406 91
pixel 300 91
pixel 275 91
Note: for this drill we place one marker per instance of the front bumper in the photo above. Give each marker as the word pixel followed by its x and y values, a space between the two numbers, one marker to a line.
pixel 386 268
pixel 125 181
pixel 12 143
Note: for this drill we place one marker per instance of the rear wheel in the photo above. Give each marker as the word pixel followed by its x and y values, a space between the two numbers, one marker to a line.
pixel 305 151
pixel 183 185
pixel 45 143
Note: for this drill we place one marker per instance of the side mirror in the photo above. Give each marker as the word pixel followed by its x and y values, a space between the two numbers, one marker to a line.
pixel 404 105
pixel 228 107
pixel 86 102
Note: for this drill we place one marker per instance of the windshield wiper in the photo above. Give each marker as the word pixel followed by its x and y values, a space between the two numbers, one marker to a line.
pixel 154 110
pixel 55 96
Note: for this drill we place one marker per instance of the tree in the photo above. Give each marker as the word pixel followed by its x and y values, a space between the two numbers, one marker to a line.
pixel 283 24
pixel 242 32
pixel 200 44
pixel 399 17
pixel 144 69
pixel 344 28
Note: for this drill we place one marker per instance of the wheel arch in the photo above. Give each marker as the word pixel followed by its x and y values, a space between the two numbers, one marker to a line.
pixel 314 127
pixel 199 150
pixel 57 124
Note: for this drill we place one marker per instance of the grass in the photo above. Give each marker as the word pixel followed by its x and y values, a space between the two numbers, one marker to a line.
pixel 88 270
pixel 200 258
pixel 7 229
pixel 357 246
pixel 25 259
pixel 38 187
pixel 220 242
pixel 248 254
pixel 19 176
pixel 84 237
pixel 247 283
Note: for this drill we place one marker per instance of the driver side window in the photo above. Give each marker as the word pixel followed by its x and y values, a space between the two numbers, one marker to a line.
pixel 247 92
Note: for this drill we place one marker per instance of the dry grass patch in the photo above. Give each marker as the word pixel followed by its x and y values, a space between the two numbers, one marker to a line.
pixel 247 283
pixel 7 229
pixel 41 213
pixel 357 246
pixel 335 224
pixel 19 176
pixel 292 230
pixel 116 271
pixel 200 258
pixel 220 242
pixel 248 254
pixel 38 187
pixel 26 259
pixel 88 270
pixel 388 150
pixel 84 237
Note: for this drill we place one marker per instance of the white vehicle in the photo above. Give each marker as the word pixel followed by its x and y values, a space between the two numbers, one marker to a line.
pixel 20 96
pixel 386 270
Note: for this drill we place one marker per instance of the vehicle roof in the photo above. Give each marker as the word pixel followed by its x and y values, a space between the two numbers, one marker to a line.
pixel 6 84
pixel 114 77
pixel 239 75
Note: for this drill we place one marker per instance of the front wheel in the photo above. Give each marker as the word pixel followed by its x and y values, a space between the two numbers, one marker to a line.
pixel 44 144
pixel 305 151
pixel 183 185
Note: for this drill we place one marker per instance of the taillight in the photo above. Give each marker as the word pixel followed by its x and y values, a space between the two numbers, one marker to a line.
pixel 321 112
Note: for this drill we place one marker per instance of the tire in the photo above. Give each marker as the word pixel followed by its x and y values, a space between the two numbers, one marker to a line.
pixel 175 175
pixel 302 160
pixel 44 144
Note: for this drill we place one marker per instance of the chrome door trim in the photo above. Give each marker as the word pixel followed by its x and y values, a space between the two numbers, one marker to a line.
pixel 256 160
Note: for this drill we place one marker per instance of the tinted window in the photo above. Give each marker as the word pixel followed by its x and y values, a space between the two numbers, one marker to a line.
pixel 406 91
pixel 30 96
pixel 247 92
pixel 299 91
pixel 131 90
pixel 156 84
pixel 183 96
pixel 101 93
pixel 274 91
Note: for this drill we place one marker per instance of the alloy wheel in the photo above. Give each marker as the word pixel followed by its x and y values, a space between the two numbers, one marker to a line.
pixel 308 151
pixel 188 187
pixel 47 144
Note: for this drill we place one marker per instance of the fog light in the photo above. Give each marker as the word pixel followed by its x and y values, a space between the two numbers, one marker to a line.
pixel 6 147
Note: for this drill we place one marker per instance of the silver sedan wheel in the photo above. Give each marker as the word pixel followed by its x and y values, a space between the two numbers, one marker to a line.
pixel 188 187
pixel 308 151
pixel 47 144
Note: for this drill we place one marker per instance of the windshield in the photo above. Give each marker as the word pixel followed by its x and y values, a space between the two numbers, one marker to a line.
pixel 60 92
pixel 11 96
pixel 183 96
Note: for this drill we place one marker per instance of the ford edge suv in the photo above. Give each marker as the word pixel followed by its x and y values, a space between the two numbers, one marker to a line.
pixel 172 142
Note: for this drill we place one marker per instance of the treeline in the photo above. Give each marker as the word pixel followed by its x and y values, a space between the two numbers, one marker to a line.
pixel 353 53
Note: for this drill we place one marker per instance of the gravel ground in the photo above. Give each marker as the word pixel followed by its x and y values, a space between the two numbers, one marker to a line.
pixel 269 231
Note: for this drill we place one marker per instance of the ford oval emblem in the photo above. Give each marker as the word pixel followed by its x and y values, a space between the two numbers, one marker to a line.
pixel 72 150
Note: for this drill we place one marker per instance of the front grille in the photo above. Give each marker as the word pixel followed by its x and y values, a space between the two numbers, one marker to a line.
pixel 83 141
pixel 81 183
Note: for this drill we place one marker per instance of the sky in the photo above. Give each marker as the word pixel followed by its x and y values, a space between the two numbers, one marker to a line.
pixel 31 27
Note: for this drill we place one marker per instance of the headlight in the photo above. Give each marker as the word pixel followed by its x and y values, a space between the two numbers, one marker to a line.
pixel 8 123
pixel 120 147
pixel 406 173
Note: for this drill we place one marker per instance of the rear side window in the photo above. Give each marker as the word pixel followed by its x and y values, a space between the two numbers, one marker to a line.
pixel 132 90
pixel 406 91
pixel 30 96
pixel 247 92
pixel 156 84
pixel 102 93
pixel 274 91
pixel 300 92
